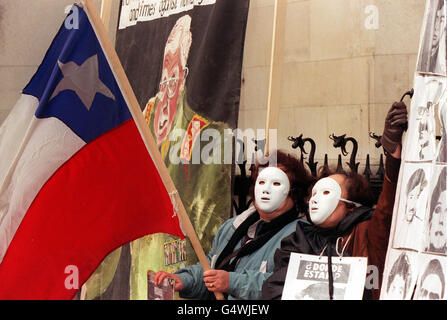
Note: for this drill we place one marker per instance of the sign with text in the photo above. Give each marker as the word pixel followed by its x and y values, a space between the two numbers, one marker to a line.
pixel 308 278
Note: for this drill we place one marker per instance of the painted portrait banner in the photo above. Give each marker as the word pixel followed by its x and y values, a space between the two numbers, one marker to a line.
pixel 307 278
pixel 416 261
pixel 183 59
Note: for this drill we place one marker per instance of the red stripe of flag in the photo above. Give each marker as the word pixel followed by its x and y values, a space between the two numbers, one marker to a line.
pixel 106 195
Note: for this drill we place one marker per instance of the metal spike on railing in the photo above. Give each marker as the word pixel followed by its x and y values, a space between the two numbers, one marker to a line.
pixel 339 165
pixel 326 163
pixel 367 173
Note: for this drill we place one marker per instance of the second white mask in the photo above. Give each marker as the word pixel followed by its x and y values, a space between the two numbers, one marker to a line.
pixel 326 194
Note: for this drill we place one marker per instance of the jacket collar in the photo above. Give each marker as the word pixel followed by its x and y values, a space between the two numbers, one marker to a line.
pixel 243 216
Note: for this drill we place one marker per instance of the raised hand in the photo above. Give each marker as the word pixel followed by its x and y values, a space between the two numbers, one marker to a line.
pixel 396 123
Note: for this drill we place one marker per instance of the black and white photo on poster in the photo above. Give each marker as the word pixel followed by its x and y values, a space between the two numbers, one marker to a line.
pixel 442 116
pixel 436 219
pixel 307 278
pixel 412 206
pixel 400 275
pixel 431 279
pixel 420 141
pixel 432 52
pixel 418 229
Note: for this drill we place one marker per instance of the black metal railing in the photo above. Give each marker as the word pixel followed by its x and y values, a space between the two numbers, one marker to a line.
pixel 242 182
pixel 307 150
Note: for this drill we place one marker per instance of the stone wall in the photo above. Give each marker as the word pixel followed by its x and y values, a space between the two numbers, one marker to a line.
pixel 338 76
pixel 26 31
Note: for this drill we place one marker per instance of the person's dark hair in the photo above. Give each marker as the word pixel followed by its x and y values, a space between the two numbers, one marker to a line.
pixel 402 268
pixel 300 179
pixel 434 267
pixel 357 186
pixel 440 5
pixel 439 188
pixel 417 178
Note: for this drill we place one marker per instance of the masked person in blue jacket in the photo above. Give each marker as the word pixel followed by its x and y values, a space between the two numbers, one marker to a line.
pixel 242 252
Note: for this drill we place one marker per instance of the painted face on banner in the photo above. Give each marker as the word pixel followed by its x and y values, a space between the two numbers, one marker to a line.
pixel 438 224
pixel 171 83
pixel 326 195
pixel 271 189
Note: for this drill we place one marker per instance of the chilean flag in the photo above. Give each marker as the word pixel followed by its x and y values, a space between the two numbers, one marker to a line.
pixel 76 179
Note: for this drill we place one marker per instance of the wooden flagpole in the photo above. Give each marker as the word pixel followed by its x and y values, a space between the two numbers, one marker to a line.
pixel 106 12
pixel 146 135
pixel 274 93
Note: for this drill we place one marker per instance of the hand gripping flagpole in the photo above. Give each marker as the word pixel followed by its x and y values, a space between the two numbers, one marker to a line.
pixel 144 130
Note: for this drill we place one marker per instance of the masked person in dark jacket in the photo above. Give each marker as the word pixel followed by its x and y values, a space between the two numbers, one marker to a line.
pixel 340 216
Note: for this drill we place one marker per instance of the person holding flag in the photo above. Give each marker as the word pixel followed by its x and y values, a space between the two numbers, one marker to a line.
pixel 242 252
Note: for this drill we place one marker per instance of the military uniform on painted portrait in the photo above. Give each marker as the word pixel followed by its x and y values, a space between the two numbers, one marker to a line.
pixel 205 189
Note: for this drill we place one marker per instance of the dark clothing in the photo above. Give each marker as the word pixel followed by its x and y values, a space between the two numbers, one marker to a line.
pixel 369 238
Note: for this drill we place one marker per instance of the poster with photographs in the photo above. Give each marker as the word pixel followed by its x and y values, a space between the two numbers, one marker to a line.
pixel 401 276
pixel 412 206
pixel 432 51
pixel 432 277
pixel 417 250
pixel 308 278
pixel 421 135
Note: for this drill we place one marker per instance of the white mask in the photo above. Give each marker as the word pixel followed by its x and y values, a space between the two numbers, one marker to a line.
pixel 271 189
pixel 326 194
